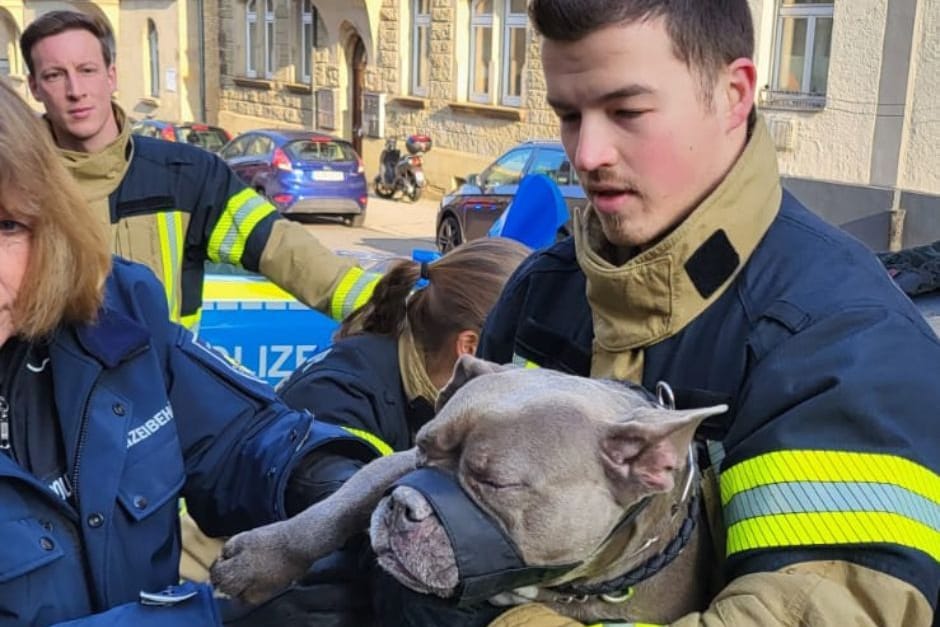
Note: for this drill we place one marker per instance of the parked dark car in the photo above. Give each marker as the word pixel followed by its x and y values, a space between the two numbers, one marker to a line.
pixel 212 138
pixel 469 211
pixel 301 172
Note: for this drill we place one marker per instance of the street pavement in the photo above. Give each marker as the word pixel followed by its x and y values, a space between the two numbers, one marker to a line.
pixel 391 227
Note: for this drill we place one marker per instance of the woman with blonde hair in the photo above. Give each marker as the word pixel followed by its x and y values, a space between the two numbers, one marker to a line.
pixel 109 413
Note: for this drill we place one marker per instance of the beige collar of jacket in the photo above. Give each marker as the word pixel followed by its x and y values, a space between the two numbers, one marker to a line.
pixel 653 296
pixel 414 374
pixel 99 173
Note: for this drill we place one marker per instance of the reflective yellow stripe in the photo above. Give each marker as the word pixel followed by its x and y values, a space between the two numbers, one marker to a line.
pixel 170 236
pixel 353 291
pixel 783 466
pixel 813 498
pixel 623 625
pixel 191 321
pixel 365 293
pixel 828 528
pixel 376 442
pixel 523 362
pixel 242 213
pixel 240 290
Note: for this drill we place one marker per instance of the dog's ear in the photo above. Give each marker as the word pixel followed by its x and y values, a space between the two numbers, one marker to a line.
pixel 467 368
pixel 645 451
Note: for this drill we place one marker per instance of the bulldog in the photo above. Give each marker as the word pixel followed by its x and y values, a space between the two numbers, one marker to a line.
pixel 585 493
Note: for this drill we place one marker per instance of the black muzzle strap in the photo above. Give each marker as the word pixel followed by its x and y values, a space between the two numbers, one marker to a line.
pixel 481 573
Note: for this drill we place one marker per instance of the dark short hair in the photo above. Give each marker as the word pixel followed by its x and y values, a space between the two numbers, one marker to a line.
pixel 55 22
pixel 706 34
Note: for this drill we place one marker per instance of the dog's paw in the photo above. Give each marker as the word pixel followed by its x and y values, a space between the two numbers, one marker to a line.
pixel 255 565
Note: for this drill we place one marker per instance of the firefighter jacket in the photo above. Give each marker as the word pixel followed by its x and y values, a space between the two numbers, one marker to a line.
pixel 174 206
pixel 147 414
pixel 828 460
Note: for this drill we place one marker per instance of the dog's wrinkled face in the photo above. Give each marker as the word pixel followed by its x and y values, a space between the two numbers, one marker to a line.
pixel 555 459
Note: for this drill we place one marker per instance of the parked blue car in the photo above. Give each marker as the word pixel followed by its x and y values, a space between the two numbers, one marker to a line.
pixel 301 172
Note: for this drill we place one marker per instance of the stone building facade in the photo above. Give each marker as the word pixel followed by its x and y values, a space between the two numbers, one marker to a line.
pixel 847 88
pixel 159 51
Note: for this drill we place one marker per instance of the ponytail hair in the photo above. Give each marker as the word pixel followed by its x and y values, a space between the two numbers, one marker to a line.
pixel 462 286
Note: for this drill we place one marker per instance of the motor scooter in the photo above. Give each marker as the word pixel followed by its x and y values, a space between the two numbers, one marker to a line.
pixel 402 176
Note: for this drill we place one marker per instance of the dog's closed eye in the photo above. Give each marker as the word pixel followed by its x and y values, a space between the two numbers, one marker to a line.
pixel 496 483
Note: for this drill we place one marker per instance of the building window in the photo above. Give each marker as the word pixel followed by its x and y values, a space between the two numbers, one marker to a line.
pixel 269 43
pixel 497 47
pixel 514 44
pixel 308 39
pixel 153 56
pixel 481 50
pixel 421 47
pixel 801 53
pixel 251 29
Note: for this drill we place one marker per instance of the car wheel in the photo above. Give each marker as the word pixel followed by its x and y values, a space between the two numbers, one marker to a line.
pixel 448 234
pixel 355 219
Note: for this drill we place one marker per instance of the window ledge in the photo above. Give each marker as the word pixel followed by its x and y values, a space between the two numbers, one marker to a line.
pixel 488 111
pixel 791 101
pixel 150 101
pixel 16 78
pixel 253 83
pixel 411 102
pixel 299 88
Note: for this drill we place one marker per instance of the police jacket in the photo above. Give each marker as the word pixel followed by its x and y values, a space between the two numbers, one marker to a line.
pixel 828 459
pixel 147 415
pixel 177 206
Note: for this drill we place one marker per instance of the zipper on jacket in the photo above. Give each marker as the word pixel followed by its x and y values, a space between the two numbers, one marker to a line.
pixel 82 433
pixel 4 424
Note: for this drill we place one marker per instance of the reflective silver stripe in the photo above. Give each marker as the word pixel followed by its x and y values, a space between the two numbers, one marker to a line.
pixel 522 362
pixel 716 453
pixel 357 290
pixel 812 496
pixel 233 244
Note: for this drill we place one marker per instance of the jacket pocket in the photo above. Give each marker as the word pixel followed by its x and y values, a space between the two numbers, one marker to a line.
pixel 151 483
pixel 27 547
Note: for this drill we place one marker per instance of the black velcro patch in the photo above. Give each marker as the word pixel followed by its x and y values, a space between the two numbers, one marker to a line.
pixel 712 263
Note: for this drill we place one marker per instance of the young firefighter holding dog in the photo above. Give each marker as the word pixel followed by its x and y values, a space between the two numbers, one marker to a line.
pixel 694 267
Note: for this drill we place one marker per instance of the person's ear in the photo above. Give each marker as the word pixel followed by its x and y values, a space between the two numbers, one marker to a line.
pixel 466 342
pixel 112 78
pixel 740 85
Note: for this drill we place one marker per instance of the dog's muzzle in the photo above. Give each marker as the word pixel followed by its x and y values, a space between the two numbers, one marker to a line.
pixel 481 573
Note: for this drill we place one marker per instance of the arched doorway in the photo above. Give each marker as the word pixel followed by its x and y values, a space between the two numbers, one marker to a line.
pixel 357 75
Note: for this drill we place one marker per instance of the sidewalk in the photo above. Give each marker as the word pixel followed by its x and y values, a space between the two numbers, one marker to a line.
pixel 403 219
